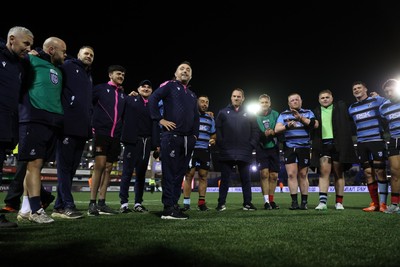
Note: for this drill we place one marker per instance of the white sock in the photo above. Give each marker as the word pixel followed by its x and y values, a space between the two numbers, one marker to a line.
pixel 266 198
pixel 186 201
pixel 25 207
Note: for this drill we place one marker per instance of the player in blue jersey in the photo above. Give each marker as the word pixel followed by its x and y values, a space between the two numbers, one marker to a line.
pixel 201 156
pixel 371 147
pixel 390 111
pixel 295 123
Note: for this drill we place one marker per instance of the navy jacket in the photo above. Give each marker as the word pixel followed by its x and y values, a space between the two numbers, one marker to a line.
pixel 11 72
pixel 138 123
pixel 108 109
pixel 77 99
pixel 237 134
pixel 179 106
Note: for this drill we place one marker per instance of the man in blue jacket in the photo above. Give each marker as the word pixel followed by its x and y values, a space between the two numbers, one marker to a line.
pixel 19 42
pixel 237 137
pixel 140 135
pixel 77 103
pixel 180 122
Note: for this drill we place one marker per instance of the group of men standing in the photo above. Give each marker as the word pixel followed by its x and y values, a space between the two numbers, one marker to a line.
pixel 51 109
pixel 321 138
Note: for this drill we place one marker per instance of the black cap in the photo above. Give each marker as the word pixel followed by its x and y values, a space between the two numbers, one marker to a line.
pixel 145 82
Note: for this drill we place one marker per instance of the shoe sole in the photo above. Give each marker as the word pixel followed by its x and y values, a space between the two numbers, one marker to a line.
pixel 370 210
pixel 169 217
pixel 23 219
pixel 141 211
pixel 63 216
pixel 56 215
pixel 106 213
pixel 41 222
pixel 8 210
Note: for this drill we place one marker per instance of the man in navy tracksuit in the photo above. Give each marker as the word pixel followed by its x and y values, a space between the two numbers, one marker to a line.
pixel 140 134
pixel 77 103
pixel 237 137
pixel 180 122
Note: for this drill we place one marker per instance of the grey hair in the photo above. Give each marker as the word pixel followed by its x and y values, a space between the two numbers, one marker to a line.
pixel 19 30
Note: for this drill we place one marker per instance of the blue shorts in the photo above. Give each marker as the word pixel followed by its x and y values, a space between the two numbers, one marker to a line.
pixel 301 156
pixel 37 141
pixel 201 159
pixel 268 158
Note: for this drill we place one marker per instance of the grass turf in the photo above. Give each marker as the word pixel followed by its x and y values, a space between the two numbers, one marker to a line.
pixel 230 238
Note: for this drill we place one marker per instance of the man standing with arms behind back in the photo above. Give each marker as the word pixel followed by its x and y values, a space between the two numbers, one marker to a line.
pixel 237 137
pixel 201 158
pixel 332 147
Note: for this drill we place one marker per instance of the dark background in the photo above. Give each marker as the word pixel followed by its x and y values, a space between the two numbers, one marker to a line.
pixel 261 47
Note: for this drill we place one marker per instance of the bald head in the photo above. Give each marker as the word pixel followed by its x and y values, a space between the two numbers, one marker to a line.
pixel 56 48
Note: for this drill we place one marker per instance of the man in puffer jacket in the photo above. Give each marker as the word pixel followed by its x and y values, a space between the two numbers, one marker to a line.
pixel 237 137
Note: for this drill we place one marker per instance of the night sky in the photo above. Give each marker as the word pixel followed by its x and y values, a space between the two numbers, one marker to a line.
pixel 300 48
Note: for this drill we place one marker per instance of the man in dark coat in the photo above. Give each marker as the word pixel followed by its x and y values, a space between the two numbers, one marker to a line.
pixel 237 137
pixel 332 147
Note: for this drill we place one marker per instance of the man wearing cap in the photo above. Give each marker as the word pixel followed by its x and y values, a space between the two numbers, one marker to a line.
pixel 140 135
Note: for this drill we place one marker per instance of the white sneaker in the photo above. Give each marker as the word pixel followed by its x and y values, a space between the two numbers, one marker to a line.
pixel 392 209
pixel 23 216
pixel 339 206
pixel 321 206
pixel 40 217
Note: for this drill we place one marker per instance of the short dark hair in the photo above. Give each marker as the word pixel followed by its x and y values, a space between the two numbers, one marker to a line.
pixel 358 82
pixel 325 91
pixel 113 68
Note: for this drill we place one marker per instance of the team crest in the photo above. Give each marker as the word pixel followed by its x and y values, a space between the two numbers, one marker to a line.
pixel 54 76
